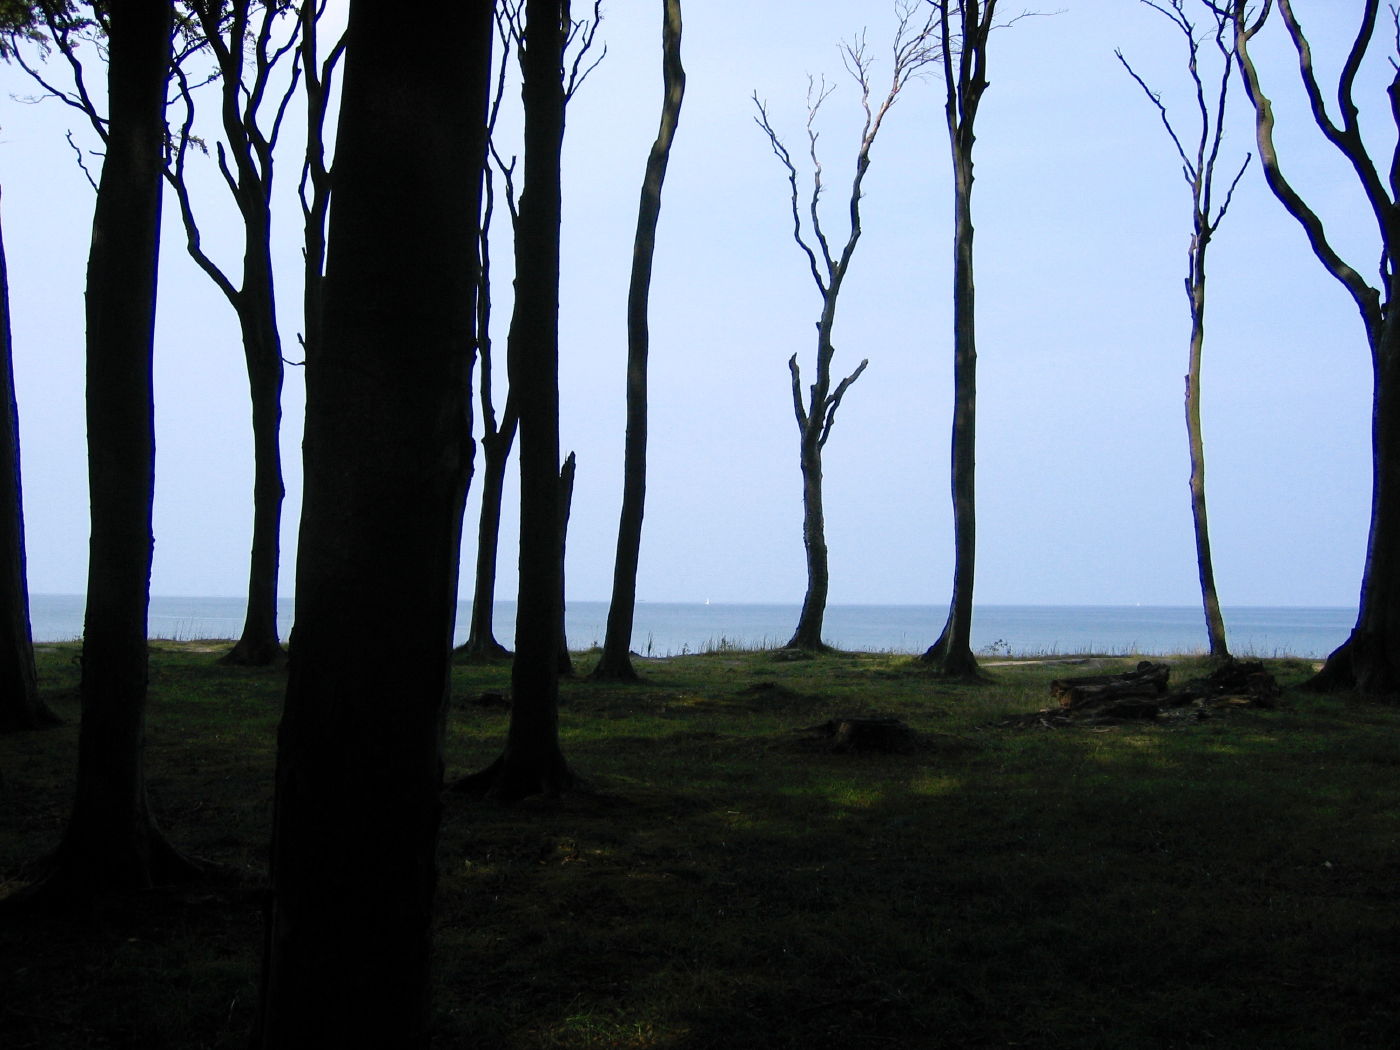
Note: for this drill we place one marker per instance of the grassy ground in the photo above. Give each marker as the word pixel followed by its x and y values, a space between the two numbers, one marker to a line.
pixel 727 882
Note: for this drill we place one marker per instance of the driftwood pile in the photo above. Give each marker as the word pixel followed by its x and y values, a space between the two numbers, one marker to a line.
pixel 1143 694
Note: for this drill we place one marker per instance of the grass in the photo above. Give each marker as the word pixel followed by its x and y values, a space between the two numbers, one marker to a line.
pixel 726 882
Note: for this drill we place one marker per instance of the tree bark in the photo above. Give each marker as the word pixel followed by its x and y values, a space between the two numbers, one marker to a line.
pixel 566 505
pixel 616 661
pixel 111 842
pixel 808 633
pixel 533 762
pixel 387 456
pixel 965 79
pixel 20 706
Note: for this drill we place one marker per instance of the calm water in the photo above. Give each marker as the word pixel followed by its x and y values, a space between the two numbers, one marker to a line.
pixel 664 627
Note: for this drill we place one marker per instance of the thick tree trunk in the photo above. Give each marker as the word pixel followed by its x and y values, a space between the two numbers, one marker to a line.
pixel 20 706
pixel 532 762
pixel 1369 660
pixel 481 640
pixel 951 654
pixel 111 842
pixel 616 661
pixel 387 457
pixel 808 634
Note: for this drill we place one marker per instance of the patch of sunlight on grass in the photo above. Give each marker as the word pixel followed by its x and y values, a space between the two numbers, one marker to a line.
pixel 853 797
pixel 927 784
pixel 587 1029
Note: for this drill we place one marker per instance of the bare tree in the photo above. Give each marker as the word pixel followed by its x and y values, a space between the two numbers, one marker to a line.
pixel 616 661
pixel 913 49
pixel 1369 660
pixel 1198 169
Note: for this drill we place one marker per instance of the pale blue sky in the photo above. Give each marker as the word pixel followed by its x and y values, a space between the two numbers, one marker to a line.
pixel 1082 223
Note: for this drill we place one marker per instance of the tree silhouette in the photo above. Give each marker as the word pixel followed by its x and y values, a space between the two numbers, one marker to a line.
pixel 387 457
pixel 1367 660
pixel 913 49
pixel 616 661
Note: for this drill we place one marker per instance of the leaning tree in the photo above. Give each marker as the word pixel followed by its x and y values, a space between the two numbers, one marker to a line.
pixel 914 48
pixel 616 661
pixel 1369 660
pixel 1198 170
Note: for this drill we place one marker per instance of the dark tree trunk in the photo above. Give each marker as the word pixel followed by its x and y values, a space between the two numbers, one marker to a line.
pixel 481 640
pixel 1369 660
pixel 616 661
pixel 111 842
pixel 566 503
pixel 258 644
pixel 808 634
pixel 532 762
pixel 387 456
pixel 20 706
pixel 964 69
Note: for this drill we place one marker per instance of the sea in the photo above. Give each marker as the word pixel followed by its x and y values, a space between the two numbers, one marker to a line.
pixel 675 628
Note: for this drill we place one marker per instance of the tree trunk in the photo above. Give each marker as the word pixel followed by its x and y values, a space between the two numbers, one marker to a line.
pixel 258 645
pixel 111 843
pixel 808 634
pixel 532 762
pixel 616 661
pixel 951 654
pixel 1369 660
pixel 481 640
pixel 566 503
pixel 387 456
pixel 1215 621
pixel 20 706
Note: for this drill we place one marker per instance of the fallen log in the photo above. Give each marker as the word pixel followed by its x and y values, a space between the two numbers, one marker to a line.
pixel 1127 691
pixel 883 735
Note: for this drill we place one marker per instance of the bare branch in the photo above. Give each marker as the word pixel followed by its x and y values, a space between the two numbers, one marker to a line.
pixel 834 401
pixel 77 152
pixel 780 151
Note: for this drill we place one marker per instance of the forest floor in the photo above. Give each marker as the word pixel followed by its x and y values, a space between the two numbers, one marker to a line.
pixel 729 881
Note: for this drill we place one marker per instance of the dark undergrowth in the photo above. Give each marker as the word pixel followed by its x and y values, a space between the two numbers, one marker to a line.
pixel 725 881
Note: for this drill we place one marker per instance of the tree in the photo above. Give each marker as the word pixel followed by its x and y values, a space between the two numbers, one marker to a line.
pixel 20 706
pixel 963 30
pixel 1369 660
pixel 498 437
pixel 616 661
pixel 387 456
pixel 912 50
pixel 111 842
pixel 1198 169
pixel 532 761
pixel 236 40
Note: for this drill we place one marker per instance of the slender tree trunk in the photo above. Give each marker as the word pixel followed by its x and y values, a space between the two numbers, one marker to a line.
pixel 566 503
pixel 808 634
pixel 1215 621
pixel 952 652
pixel 387 460
pixel 20 706
pixel 532 762
pixel 481 641
pixel 616 661
pixel 111 842
pixel 258 644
